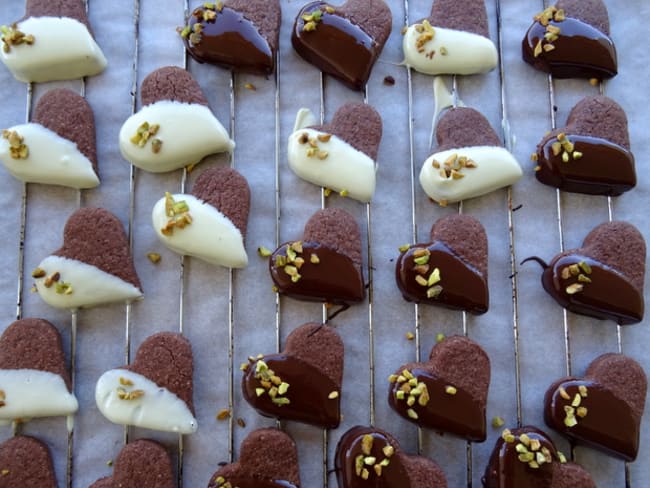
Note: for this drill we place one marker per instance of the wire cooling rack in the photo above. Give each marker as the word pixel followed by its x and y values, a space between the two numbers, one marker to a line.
pixel 229 315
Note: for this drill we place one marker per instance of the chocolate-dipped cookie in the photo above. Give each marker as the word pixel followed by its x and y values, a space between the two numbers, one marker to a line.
pixel 93 267
pixel 34 381
pixel 603 409
pixel 175 127
pixel 447 393
pixel 341 155
pixel 454 39
pixel 140 464
pixel 26 461
pixel 57 147
pixel 343 41
pixel 604 278
pixel 591 154
pixel 209 224
pixel 370 457
pixel 242 35
pixel 155 392
pixel 572 40
pixel 450 270
pixel 53 41
pixel 470 159
pixel 268 459
pixel 301 383
pixel 326 265
pixel 527 457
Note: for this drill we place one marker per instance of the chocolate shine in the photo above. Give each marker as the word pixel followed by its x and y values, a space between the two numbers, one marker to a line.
pixel 609 295
pixel 349 447
pixel 605 168
pixel 456 414
pixel 247 482
pixel 337 46
pixel 231 41
pixel 463 286
pixel 581 51
pixel 608 426
pixel 308 392
pixel 335 279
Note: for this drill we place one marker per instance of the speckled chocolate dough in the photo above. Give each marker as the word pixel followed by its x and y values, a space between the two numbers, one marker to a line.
pixel 600 116
pixel 336 229
pixel 166 359
pixel 464 127
pixel 320 346
pixel 71 117
pixel 171 83
pixel 96 237
pixel 227 191
pixel 26 462
pixel 423 472
pixel 74 9
pixel 466 237
pixel 265 455
pixel 571 475
pixel 359 125
pixel 592 12
pixel 265 14
pixel 374 16
pixel 465 15
pixel 33 344
pixel 141 464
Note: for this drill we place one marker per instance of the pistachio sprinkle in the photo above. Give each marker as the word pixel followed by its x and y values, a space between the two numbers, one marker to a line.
pixel 178 214
pixel 146 132
pixel 17 147
pixel 11 36
pixel 552 34
pixel 270 384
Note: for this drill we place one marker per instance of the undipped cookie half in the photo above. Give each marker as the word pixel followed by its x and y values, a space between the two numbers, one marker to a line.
pixel 26 461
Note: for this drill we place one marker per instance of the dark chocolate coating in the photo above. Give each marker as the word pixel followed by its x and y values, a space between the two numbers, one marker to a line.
pixel 171 83
pixel 465 15
pixel 464 127
pixel 74 9
pixel 26 461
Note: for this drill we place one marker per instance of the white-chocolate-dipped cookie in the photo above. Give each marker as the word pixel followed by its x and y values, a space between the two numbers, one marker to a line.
pixel 341 155
pixel 175 127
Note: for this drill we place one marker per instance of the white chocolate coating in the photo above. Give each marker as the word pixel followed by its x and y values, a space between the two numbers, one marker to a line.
pixel 30 393
pixel 157 409
pixel 188 131
pixel 344 168
pixel 52 159
pixel 466 53
pixel 63 49
pixel 90 285
pixel 495 168
pixel 211 237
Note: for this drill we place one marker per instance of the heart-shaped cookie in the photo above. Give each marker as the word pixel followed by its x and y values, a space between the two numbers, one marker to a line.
pixel 370 457
pixel 343 41
pixel 26 461
pixel 326 265
pixel 527 457
pixel 455 39
pixel 340 155
pixel 155 392
pixel 268 458
pixel 140 464
pixel 604 408
pixel 591 154
pixel 238 34
pixel 603 278
pixel 571 40
pixel 470 159
pixel 451 270
pixel 175 127
pixel 94 266
pixel 303 382
pixel 34 381
pixel 53 41
pixel 447 393
pixel 209 224
pixel 58 147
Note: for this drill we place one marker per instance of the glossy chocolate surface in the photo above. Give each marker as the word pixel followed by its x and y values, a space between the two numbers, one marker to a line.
pixel 608 426
pixel 335 279
pixel 231 41
pixel 581 51
pixel 463 286
pixel 337 46
pixel 456 414
pixel 247 482
pixel 609 295
pixel 349 448
pixel 308 392
pixel 605 168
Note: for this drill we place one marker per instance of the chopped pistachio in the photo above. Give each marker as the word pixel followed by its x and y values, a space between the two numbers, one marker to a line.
pixel 264 252
pixel 333 395
pixel 314 259
pixel 581 412
pixel 525 439
pixel 223 414
pixel 154 257
pixel 583 390
pixel 574 288
pixel 241 422
pixel 366 444
pixel 250 86
pixel 11 36
pixel 440 337
pixel 410 336
pixel 324 137
pixel 584 266
pixel 434 291
pixel 412 414
pixel 38 273
pixel 17 148
pixel 280 401
pixel 450 390
pixel 260 391
pixel 497 422
pixel 344 193
pixel 564 394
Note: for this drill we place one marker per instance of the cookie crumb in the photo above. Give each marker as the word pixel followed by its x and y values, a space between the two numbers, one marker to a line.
pixel 389 81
